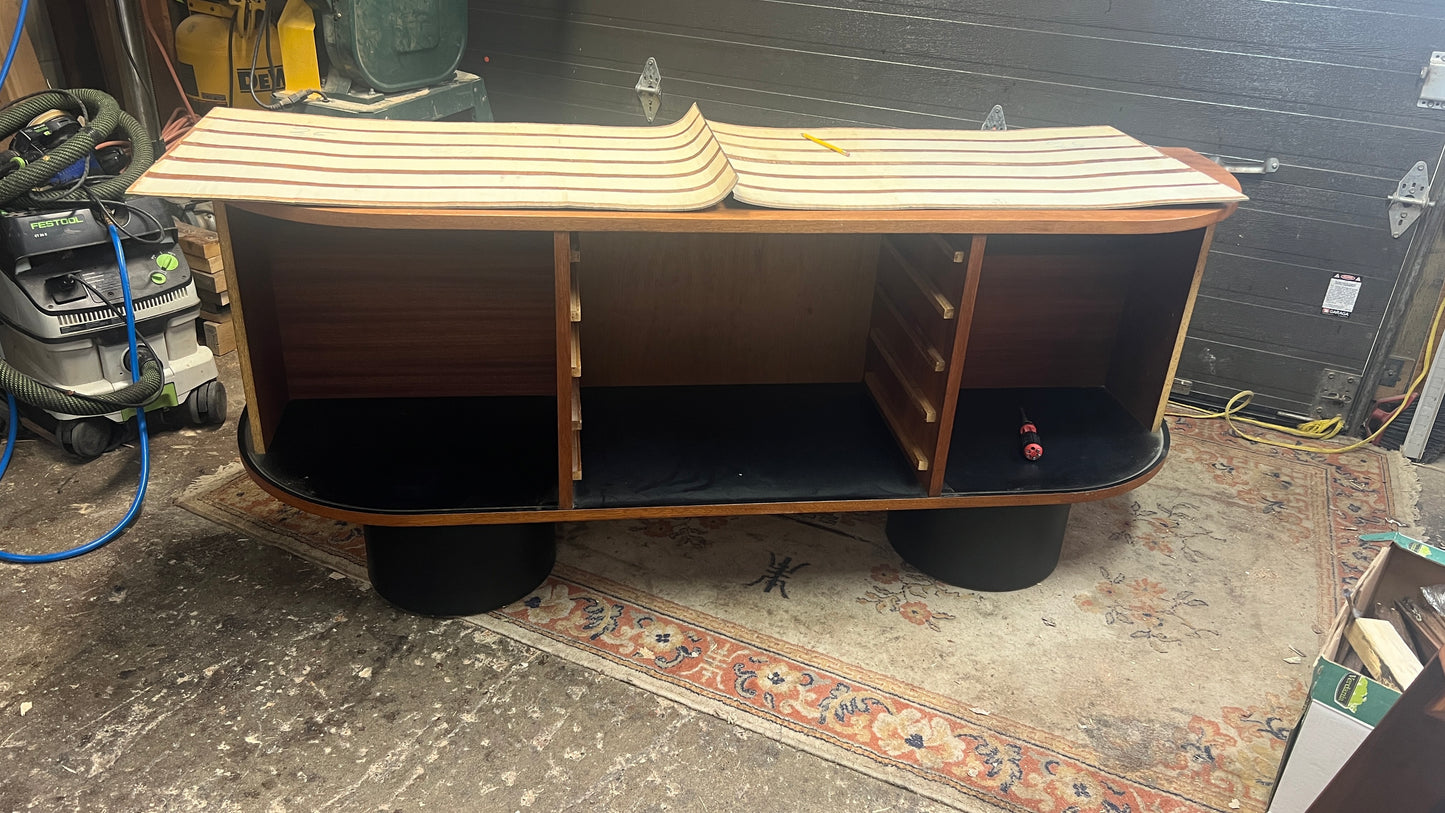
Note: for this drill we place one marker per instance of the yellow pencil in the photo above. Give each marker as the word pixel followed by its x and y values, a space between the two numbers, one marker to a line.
pixel 821 142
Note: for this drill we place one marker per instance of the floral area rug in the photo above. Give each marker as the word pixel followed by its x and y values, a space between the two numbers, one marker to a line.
pixel 1159 669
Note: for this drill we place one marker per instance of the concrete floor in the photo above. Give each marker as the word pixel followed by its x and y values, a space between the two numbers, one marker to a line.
pixel 183 667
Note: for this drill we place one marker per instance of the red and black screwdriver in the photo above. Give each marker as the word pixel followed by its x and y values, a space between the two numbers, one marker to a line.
pixel 1033 448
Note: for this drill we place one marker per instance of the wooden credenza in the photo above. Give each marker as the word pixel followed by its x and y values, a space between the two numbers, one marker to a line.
pixel 456 381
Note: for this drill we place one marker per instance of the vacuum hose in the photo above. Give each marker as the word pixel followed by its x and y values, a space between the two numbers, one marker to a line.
pixel 23 189
pixel 30 188
pixel 45 396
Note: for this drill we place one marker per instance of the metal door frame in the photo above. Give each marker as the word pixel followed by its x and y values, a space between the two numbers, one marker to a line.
pixel 1422 239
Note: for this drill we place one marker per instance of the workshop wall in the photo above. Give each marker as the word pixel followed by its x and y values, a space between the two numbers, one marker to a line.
pixel 1328 90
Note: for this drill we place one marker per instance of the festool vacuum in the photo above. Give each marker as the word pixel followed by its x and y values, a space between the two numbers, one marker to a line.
pixel 64 349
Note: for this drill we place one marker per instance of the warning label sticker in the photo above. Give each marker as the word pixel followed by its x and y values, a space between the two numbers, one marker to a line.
pixel 1341 295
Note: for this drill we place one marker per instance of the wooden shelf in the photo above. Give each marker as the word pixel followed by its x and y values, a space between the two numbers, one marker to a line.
pixel 656 446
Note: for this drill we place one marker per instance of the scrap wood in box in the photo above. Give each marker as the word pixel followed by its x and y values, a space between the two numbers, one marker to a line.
pixel 1393 623
pixel 202 248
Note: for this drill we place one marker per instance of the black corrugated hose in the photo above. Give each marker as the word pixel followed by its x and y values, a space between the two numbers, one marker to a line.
pixel 29 188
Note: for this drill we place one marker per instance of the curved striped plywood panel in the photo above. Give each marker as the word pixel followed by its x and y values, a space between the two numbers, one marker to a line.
pixel 257 155
pixel 1046 168
pixel 691 164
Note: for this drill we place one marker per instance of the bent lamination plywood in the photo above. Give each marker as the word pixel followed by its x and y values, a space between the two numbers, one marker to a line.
pixel 1045 168
pixel 255 155
pixel 691 164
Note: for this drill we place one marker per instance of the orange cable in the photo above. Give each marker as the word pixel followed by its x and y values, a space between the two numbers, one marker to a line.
pixel 180 120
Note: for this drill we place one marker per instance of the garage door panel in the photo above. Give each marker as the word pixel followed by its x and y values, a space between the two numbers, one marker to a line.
pixel 1296 135
pixel 1326 340
pixel 1117 63
pixel 1283 285
pixel 1230 368
pixel 1261 403
pixel 1374 33
pixel 1290 238
pixel 1358 200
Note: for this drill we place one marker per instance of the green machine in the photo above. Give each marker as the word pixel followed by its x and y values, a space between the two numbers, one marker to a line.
pixel 394 45
pixel 381 59
pixel 396 59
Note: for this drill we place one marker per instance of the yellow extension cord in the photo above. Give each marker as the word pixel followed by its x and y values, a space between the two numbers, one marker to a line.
pixel 1314 430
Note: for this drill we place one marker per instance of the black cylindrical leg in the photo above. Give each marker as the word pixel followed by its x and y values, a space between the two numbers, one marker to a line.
pixel 458 569
pixel 993 549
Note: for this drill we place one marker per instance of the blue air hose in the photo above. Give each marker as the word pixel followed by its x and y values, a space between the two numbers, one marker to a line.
pixel 135 368
pixel 5 69
pixel 140 419
pixel 14 416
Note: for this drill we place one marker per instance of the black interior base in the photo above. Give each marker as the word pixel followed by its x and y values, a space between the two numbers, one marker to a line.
pixel 644 446
pixel 414 455
pixel 992 549
pixel 1090 442
pixel 458 569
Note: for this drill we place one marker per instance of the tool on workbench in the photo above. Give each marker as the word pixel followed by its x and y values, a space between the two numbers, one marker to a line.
pixel 1033 448
pixel 391 59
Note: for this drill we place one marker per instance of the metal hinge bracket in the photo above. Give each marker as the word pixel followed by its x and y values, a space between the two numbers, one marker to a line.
pixel 994 119
pixel 1432 83
pixel 1336 391
pixel 649 89
pixel 1411 199
pixel 1265 167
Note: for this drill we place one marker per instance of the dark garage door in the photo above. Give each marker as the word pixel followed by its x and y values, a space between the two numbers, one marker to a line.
pixel 1328 88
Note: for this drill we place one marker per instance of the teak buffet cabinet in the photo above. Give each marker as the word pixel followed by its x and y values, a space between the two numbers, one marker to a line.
pixel 457 381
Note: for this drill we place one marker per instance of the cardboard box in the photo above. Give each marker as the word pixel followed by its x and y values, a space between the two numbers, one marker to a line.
pixel 1344 705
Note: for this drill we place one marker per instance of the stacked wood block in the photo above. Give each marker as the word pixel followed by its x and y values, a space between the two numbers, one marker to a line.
pixel 202 248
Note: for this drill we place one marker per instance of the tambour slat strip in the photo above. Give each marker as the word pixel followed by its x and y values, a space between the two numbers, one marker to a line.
pixel 882 134
pixel 586 179
pixel 276 136
pixel 926 168
pixel 298 123
pixel 986 186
